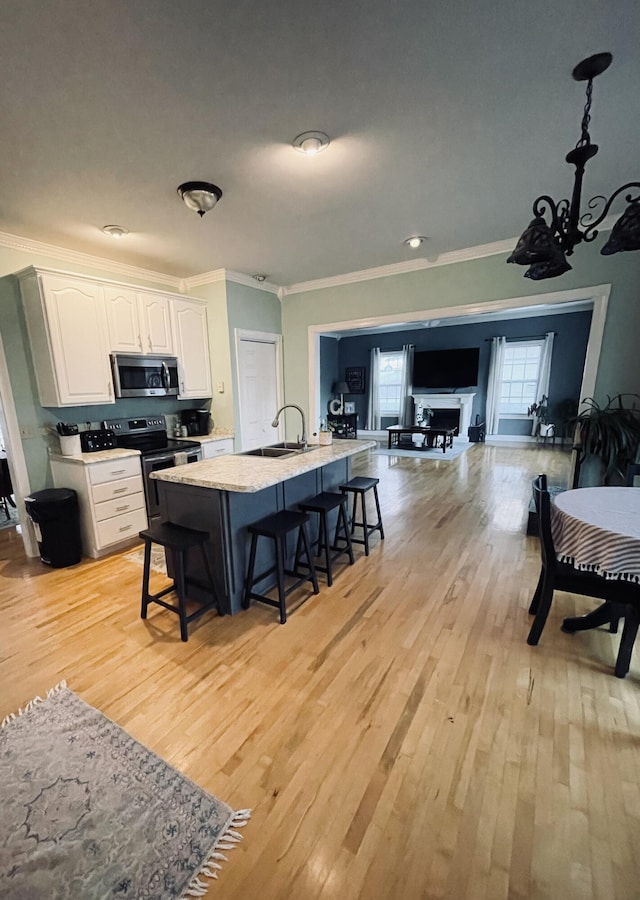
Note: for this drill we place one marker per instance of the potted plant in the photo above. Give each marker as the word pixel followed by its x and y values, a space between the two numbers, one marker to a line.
pixel 540 409
pixel 610 434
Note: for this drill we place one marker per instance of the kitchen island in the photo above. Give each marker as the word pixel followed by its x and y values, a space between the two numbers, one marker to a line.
pixel 223 496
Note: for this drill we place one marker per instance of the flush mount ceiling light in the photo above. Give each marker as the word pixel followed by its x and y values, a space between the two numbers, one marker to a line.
pixel 115 231
pixel 200 195
pixel 311 142
pixel 544 247
pixel 415 241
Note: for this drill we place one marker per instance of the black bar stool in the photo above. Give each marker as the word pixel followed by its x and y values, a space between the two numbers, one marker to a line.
pixel 323 504
pixel 179 540
pixel 359 487
pixel 277 527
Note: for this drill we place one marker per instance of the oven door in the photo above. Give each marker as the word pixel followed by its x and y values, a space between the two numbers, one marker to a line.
pixel 155 464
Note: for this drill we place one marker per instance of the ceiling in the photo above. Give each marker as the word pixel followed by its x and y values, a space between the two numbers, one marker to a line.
pixel 447 118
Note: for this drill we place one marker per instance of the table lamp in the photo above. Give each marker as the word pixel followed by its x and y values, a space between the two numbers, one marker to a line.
pixel 342 388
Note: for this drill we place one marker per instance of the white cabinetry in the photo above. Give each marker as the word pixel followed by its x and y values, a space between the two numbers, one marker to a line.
pixel 210 449
pixel 68 334
pixel 74 322
pixel 111 500
pixel 192 347
pixel 138 322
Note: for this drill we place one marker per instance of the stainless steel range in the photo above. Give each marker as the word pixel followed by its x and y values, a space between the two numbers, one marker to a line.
pixel 149 435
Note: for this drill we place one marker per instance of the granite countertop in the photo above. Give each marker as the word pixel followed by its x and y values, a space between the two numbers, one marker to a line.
pixel 248 474
pixel 86 459
pixel 216 434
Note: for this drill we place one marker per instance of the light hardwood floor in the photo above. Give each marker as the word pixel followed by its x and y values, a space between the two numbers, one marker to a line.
pixel 397 739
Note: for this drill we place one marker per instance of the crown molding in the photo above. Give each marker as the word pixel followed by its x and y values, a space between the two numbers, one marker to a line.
pixel 229 275
pixel 402 268
pixel 26 245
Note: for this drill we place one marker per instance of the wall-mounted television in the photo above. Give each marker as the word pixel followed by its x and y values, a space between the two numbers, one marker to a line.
pixel 445 368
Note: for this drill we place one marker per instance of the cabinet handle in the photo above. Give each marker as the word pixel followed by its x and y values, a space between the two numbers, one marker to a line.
pixel 122 508
pixel 117 471
pixel 125 528
pixel 140 343
pixel 150 344
pixel 120 490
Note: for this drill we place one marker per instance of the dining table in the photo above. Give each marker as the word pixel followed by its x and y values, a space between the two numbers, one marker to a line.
pixel 597 529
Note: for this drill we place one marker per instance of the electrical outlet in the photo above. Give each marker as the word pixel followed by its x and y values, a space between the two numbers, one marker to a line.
pixel 27 431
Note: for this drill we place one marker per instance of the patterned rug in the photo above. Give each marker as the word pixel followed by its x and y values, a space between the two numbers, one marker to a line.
pixel 428 452
pixel 88 812
pixel 158 562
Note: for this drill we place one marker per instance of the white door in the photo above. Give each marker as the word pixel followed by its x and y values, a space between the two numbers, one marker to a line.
pixel 258 382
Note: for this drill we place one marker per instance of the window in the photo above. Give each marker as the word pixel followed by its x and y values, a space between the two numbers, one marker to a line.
pixel 520 373
pixel 390 379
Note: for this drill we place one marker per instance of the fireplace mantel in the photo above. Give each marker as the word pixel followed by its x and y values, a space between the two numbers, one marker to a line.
pixel 462 402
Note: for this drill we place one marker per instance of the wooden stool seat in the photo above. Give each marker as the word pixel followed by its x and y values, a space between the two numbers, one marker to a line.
pixel 276 527
pixel 359 487
pixel 323 504
pixel 179 541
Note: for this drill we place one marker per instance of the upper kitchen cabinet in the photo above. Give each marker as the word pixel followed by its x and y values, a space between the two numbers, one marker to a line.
pixel 192 347
pixel 68 332
pixel 139 322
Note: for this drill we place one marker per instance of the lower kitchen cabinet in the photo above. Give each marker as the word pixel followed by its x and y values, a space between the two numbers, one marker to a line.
pixel 210 449
pixel 110 498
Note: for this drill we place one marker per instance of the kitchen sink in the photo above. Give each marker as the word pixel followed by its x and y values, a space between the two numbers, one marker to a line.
pixel 275 451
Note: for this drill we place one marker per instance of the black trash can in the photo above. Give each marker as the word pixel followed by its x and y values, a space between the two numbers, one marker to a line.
pixel 54 513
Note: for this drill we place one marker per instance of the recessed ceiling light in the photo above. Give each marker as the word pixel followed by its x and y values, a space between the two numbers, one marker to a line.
pixel 311 142
pixel 260 278
pixel 415 241
pixel 115 231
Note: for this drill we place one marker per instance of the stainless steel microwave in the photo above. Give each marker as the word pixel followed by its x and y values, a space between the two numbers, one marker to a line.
pixel 135 375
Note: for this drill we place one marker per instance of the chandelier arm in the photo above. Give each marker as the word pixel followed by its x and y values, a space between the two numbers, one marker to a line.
pixel 589 233
pixel 543 203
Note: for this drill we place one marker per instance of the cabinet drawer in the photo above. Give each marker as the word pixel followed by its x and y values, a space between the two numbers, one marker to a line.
pixel 121 527
pixel 216 448
pixel 118 468
pixel 119 506
pixel 111 490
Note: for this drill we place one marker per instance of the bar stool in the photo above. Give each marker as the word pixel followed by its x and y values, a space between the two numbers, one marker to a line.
pixel 179 540
pixel 323 504
pixel 276 527
pixel 358 487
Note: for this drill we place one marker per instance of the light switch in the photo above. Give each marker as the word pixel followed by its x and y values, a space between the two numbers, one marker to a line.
pixel 221 387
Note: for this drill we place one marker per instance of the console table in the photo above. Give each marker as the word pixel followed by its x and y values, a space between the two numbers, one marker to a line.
pixel 431 435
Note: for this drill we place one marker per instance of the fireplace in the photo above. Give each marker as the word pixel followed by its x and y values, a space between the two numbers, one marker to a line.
pixel 449 410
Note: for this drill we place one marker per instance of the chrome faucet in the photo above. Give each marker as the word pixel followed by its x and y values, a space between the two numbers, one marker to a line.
pixel 301 440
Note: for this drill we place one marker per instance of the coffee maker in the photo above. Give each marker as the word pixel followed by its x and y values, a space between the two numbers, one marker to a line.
pixel 197 421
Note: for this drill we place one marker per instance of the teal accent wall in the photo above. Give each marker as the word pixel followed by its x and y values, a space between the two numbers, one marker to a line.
pixel 474 282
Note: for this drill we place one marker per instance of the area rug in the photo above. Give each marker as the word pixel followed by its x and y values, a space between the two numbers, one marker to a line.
pixel 88 812
pixel 10 522
pixel 158 561
pixel 429 452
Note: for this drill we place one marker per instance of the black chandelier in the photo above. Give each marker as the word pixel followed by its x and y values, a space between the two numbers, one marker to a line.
pixel 544 247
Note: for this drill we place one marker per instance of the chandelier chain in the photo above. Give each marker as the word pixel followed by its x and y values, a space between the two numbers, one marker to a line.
pixel 585 139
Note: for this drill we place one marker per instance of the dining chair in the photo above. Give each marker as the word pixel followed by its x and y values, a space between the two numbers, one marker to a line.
pixel 633 471
pixel 559 576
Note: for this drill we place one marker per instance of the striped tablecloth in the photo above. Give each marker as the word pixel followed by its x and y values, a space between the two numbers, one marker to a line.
pixel 598 530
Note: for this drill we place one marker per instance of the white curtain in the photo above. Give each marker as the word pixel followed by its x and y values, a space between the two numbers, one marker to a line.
pixel 406 387
pixel 492 414
pixel 542 390
pixel 373 405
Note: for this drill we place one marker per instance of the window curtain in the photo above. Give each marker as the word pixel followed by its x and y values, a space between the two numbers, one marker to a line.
pixel 544 371
pixel 373 404
pixel 406 387
pixel 492 414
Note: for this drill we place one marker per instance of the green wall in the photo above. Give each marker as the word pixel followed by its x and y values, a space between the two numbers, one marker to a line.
pixel 476 281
